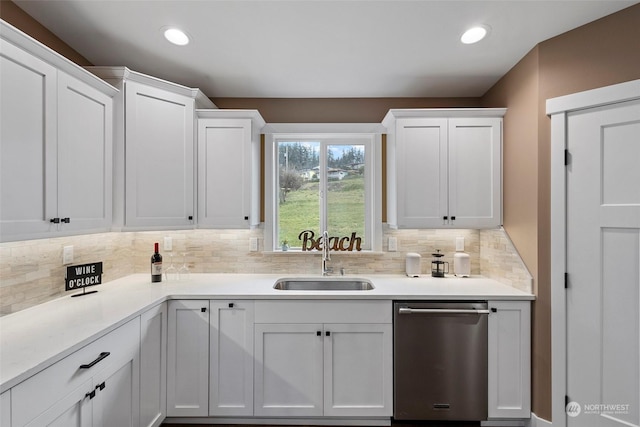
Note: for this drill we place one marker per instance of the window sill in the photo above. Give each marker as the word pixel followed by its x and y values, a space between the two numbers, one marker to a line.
pixel 291 252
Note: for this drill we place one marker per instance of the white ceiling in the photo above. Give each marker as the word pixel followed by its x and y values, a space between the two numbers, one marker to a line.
pixel 316 48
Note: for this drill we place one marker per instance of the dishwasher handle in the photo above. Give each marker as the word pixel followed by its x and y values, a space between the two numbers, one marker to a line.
pixel 408 310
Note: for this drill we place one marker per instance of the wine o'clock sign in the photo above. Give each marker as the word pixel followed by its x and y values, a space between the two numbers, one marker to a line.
pixel 81 276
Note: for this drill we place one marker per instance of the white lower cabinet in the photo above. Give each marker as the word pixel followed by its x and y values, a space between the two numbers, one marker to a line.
pixel 306 365
pixel 289 370
pixel 118 393
pixel 5 409
pixel 272 358
pixel 73 410
pixel 98 385
pixel 210 358
pixel 509 359
pixel 188 358
pixel 357 373
pixel 153 366
pixel 231 358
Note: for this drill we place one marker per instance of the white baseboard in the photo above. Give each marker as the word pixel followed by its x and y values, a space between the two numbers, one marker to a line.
pixel 534 421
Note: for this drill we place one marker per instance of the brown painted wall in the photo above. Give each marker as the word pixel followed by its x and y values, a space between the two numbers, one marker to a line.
pixel 518 91
pixel 336 110
pixel 24 22
pixel 601 53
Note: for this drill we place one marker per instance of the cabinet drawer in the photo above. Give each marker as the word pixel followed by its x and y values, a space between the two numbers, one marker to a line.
pixel 323 311
pixel 41 391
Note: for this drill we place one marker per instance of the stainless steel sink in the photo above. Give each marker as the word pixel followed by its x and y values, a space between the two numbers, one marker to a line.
pixel 323 284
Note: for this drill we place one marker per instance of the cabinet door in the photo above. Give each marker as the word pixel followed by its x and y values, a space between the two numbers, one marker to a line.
pixel 73 410
pixel 231 353
pixel 224 172
pixel 28 138
pixel 475 163
pixel 153 366
pixel 117 402
pixel 288 370
pixel 159 134
pixel 188 358
pixel 5 409
pixel 85 132
pixel 421 172
pixel 358 370
pixel 509 359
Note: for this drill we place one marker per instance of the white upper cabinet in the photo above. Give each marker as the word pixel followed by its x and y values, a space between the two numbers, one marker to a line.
pixel 228 168
pixel 154 151
pixel 159 157
pixel 28 143
pixel 55 143
pixel 444 168
pixel 422 190
pixel 475 172
pixel 85 132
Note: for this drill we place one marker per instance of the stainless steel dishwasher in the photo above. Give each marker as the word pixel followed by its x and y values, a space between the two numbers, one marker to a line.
pixel 440 360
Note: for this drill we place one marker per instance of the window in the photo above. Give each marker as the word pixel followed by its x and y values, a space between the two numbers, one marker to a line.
pixel 323 182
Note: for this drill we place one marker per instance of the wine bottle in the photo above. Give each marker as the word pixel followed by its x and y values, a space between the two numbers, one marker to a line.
pixel 156 265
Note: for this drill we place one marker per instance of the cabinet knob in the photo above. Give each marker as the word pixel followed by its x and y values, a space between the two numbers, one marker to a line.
pixel 66 220
pixel 55 220
pixel 230 305
pixel 445 218
pixel 327 333
pixel 453 218
pixel 101 386
pixel 190 217
pixel 246 218
pixel 494 310
pixel 91 394
pixel 203 309
pixel 318 333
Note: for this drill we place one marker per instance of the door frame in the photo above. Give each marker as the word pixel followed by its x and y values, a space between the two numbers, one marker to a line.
pixel 558 109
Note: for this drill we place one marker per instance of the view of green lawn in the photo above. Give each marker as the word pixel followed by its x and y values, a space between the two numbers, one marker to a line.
pixel 346 207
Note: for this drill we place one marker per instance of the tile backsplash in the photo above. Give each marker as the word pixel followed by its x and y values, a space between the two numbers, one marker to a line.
pixel 31 272
pixel 499 260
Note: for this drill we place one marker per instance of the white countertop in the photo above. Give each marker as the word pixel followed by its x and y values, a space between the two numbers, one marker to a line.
pixel 37 337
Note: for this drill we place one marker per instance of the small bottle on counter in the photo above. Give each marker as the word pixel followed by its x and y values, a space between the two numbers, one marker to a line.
pixel 461 261
pixel 156 265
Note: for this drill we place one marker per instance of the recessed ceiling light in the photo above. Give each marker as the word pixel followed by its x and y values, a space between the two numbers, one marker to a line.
pixel 176 36
pixel 475 34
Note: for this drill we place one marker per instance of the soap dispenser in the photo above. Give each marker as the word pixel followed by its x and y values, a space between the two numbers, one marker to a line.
pixel 461 261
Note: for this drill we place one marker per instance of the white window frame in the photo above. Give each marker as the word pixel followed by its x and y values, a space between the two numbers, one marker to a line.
pixel 370 134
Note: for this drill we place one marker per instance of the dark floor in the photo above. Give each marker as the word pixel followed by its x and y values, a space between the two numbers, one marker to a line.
pixel 393 424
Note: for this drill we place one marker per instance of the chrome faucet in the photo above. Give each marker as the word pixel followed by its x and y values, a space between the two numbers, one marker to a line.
pixel 325 254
